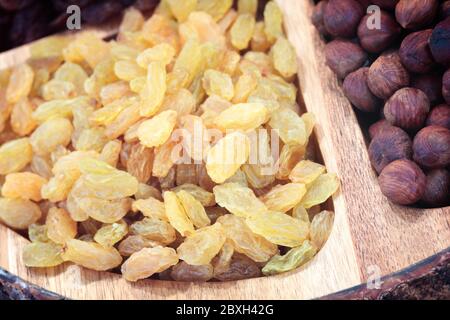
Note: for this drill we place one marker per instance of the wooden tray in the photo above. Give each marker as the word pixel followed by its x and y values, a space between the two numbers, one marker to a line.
pixel 370 237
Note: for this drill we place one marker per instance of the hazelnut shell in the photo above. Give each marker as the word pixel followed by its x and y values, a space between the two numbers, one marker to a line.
pixel 446 86
pixel 431 85
pixel 414 14
pixel 431 147
pixel 407 108
pixel 437 189
pixel 389 144
pixel 387 75
pixel 317 17
pixel 440 42
pixel 379 126
pixel 415 53
pixel 356 89
pixel 344 57
pixel 440 116
pixel 376 40
pixel 385 4
pixel 402 182
pixel 341 17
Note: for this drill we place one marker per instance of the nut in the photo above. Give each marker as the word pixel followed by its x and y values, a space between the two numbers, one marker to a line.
pixel 413 14
pixel 356 89
pixel 440 116
pixel 344 57
pixel 378 39
pixel 341 17
pixel 387 75
pixel 440 42
pixel 407 108
pixel 431 147
pixel 379 126
pixel 444 11
pixel 415 53
pixel 389 144
pixel 317 17
pixel 437 189
pixel 385 4
pixel 402 182
pixel 446 86
pixel 431 85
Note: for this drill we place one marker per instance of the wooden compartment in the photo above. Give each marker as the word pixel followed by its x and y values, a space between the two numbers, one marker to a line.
pixel 371 236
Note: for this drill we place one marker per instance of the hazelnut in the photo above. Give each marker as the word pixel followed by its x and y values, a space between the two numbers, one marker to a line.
pixel 437 189
pixel 413 14
pixel 445 10
pixel 378 39
pixel 317 17
pixel 431 85
pixel 365 3
pixel 341 17
pixel 446 86
pixel 385 4
pixel 402 182
pixel 387 75
pixel 356 89
pixel 407 108
pixel 440 42
pixel 389 144
pixel 344 57
pixel 439 116
pixel 415 53
pixel 431 147
pixel 377 127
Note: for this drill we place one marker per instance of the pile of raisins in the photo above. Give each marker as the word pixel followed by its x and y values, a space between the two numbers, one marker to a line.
pixel 22 21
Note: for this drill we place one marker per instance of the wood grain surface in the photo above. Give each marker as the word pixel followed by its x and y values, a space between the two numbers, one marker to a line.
pixel 370 234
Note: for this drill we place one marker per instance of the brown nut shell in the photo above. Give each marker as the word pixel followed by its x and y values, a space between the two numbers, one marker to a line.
pixel 387 75
pixel 414 14
pixel 440 42
pixel 389 144
pixel 402 182
pixel 415 53
pixel 431 147
pixel 376 40
pixel 317 17
pixel 344 57
pixel 407 108
pixel 379 126
pixel 341 17
pixel 440 116
pixel 431 85
pixel 356 90
pixel 437 190
pixel 446 86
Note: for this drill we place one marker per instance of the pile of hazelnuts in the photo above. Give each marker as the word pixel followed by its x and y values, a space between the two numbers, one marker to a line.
pixel 393 57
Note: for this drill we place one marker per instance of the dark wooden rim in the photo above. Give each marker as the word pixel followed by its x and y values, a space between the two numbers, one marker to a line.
pixel 428 279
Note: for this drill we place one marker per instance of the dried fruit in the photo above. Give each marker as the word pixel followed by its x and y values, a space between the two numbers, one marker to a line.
pixel 290 127
pixel 321 226
pixel 176 214
pixel 60 226
pixel 242 31
pixel 283 198
pixel 156 131
pixel 91 255
pixel 154 229
pixel 18 213
pixel 187 273
pixel 244 240
pixel 42 255
pixel 109 235
pixel 218 83
pixel 194 209
pixel 24 185
pixel 238 200
pixel 148 261
pixel 320 190
pixel 135 243
pixel 202 246
pixel 284 58
pixel 240 268
pixel 268 225
pixel 227 156
pixel 293 259
pixel 243 116
pixel 15 155
pixel 150 207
